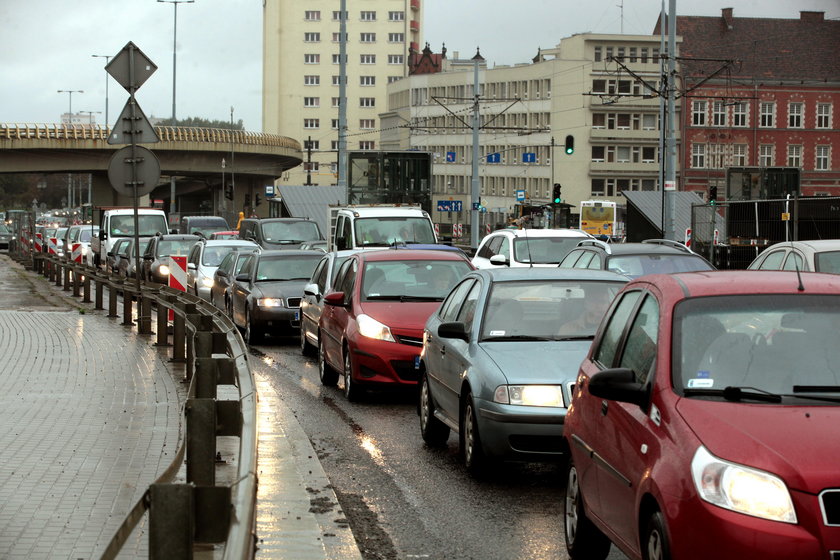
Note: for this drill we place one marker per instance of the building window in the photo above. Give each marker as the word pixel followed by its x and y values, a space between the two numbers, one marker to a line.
pixel 794 158
pixel 823 115
pixel 368 16
pixel 334 124
pixel 336 80
pixel 598 154
pixel 623 154
pixel 367 124
pixel 310 165
pixel 396 16
pixel 717 156
pixel 311 37
pixel 597 188
pixel 698 156
pixel 368 37
pixel 718 114
pixel 765 155
pixel 336 101
pixel 795 115
pixel 311 80
pixel 336 59
pixel 620 54
pixel 609 52
pixel 312 144
pixel 648 154
pixel 334 145
pixel 367 58
pixel 395 59
pixel 823 158
pixel 739 155
pixel 598 54
pixel 599 86
pixel 367 145
pixel 367 102
pixel 367 80
pixel 336 15
pixel 766 111
pixel 336 37
pixel 698 113
pixel 644 57
pixel 739 114
pixel 649 121
pixel 599 120
pixel 311 101
pixel 396 37
pixel 311 123
pixel 394 78
pixel 311 58
pixel 312 15
pixel 633 56
pixel 649 185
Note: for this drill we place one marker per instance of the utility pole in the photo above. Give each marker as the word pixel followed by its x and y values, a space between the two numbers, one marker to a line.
pixel 670 142
pixel 309 162
pixel 342 97
pixel 475 186
pixel 107 58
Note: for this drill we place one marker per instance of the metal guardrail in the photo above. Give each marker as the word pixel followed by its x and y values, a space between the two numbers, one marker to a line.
pixel 46 131
pixel 200 511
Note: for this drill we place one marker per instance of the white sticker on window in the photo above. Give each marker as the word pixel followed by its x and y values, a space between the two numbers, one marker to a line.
pixel 497 333
pixel 702 383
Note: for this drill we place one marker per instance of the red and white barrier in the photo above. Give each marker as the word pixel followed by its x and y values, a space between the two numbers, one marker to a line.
pixel 76 254
pixel 52 246
pixel 39 247
pixel 177 276
pixel 457 230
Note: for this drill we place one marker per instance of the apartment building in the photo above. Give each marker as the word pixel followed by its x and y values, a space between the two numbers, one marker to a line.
pixel 301 42
pixel 600 89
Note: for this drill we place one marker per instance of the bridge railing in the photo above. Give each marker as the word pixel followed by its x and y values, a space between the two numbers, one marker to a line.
pixel 40 131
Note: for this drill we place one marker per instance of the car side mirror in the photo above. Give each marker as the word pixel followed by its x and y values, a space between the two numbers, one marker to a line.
pixel 454 329
pixel 243 277
pixel 221 273
pixel 191 266
pixel 500 260
pixel 335 299
pixel 619 384
pixel 311 290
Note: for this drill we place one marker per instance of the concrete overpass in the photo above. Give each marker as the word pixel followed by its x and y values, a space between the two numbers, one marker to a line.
pixel 193 156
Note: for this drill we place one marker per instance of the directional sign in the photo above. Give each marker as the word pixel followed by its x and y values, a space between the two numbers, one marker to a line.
pixel 494 158
pixel 529 157
pixel 449 205
pixel 129 59
pixel 136 129
pixel 120 170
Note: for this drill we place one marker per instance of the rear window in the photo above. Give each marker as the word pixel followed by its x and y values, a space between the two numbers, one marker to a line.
pixel 639 265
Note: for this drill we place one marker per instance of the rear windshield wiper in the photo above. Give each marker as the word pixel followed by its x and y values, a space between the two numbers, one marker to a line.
pixel 735 394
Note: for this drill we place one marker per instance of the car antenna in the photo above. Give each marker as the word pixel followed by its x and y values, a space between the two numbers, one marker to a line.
pixel 528 247
pixel 801 286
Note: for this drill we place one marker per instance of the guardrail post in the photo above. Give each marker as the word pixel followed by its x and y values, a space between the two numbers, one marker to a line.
pixel 127 304
pixel 162 325
pixel 58 273
pixel 203 344
pixel 179 335
pixel 112 298
pixel 201 441
pixel 145 315
pixel 99 289
pixel 86 289
pixel 66 277
pixel 205 378
pixel 77 284
pixel 171 522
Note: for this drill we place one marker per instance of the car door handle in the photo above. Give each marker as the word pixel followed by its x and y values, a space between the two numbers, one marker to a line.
pixel 443 350
pixel 604 407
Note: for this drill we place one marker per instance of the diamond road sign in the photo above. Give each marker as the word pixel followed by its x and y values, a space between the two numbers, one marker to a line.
pixel 130 67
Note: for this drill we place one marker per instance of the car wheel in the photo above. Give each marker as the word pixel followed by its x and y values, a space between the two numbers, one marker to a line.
pixel 329 376
pixel 434 432
pixel 253 335
pixel 584 540
pixel 655 545
pixel 474 458
pixel 306 348
pixel 351 389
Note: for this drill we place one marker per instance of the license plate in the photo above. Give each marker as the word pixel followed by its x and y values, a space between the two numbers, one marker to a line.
pixel 297 314
pixel 416 362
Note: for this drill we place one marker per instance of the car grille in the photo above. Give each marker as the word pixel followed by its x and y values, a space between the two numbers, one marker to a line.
pixel 830 505
pixel 410 340
pixel 536 444
pixel 293 302
pixel 405 370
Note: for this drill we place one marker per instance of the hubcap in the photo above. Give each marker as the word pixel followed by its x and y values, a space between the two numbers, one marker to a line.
pixel 469 434
pixel 655 545
pixel 347 375
pixel 572 497
pixel 424 404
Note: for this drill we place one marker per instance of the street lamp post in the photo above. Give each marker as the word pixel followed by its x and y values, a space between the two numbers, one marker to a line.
pixel 107 58
pixel 90 116
pixel 174 43
pixel 70 93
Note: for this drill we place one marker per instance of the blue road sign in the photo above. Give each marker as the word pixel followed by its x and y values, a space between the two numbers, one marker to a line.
pixel 449 205
pixel 520 195
pixel 450 156
pixel 494 158
pixel 529 157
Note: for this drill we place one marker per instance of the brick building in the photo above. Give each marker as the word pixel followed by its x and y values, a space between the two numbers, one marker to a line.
pixel 775 105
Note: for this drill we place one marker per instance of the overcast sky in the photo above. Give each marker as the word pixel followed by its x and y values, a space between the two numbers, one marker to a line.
pixel 46 46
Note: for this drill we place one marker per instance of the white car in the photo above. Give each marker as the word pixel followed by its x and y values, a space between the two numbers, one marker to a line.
pixel 526 247
pixel 821 255
pixel 204 259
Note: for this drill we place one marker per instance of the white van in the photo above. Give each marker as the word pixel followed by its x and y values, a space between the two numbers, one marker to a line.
pixel 357 227
pixel 116 223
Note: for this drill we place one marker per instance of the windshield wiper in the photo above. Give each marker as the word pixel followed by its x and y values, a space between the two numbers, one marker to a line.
pixel 816 388
pixel 515 337
pixel 735 394
pixel 575 337
pixel 381 297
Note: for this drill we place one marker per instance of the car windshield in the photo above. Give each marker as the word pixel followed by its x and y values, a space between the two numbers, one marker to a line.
pixel 291 232
pixel 828 261
pixel 174 247
pixel 411 279
pixel 86 233
pixel 213 255
pixel 639 265
pixel 291 267
pixel 3 229
pixel 148 224
pixel 766 343
pixel 543 250
pixel 386 231
pixel 554 309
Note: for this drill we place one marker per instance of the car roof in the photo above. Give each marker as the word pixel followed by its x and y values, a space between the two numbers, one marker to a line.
pixel 742 282
pixel 503 274
pixel 229 243
pixel 543 233
pixel 816 245
pixel 411 255
pixel 289 253
pixel 387 211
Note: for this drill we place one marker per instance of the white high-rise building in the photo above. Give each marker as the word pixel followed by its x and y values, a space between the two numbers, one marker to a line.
pixel 301 42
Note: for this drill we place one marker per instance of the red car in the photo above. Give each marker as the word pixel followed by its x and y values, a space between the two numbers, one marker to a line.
pixel 704 421
pixel 371 329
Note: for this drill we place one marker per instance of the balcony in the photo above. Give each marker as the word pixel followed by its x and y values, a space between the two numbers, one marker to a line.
pixel 414 25
pixel 415 4
pixel 413 47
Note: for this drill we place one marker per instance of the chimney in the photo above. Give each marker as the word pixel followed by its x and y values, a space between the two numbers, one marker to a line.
pixel 726 13
pixel 812 17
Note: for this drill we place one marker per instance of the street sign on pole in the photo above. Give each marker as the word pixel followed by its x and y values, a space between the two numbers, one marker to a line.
pixel 133 127
pixel 130 67
pixel 120 171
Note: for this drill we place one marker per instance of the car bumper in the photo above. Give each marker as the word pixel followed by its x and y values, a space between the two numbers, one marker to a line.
pixel 276 318
pixel 204 293
pixel 525 433
pixel 385 363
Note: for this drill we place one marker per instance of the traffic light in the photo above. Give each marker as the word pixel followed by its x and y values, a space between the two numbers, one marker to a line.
pixel 713 194
pixel 570 144
pixel 229 192
pixel 556 197
pixel 257 199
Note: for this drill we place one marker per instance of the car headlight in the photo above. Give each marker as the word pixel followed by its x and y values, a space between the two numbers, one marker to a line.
pixel 371 328
pixel 207 282
pixel 85 251
pixel 270 302
pixel 740 488
pixel 164 270
pixel 529 395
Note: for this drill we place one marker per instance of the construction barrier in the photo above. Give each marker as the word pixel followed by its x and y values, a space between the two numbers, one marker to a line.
pixel 76 254
pixel 52 246
pixel 177 276
pixel 38 245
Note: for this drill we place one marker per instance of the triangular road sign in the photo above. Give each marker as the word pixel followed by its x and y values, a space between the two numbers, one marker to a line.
pixel 137 130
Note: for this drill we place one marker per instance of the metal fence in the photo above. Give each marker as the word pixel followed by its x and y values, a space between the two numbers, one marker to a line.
pixel 731 234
